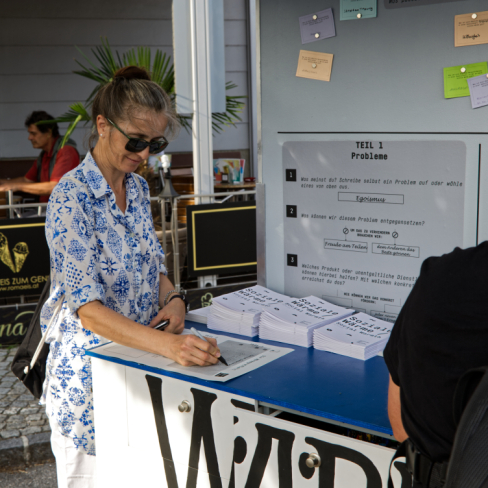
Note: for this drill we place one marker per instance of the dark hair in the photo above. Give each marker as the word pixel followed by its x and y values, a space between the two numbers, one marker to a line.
pixel 38 116
pixel 131 89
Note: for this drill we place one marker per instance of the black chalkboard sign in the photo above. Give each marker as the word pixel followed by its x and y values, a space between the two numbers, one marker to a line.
pixel 221 238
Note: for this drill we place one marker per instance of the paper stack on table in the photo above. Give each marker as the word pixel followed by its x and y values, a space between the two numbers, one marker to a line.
pixel 239 312
pixel 294 320
pixel 358 336
pixel 199 315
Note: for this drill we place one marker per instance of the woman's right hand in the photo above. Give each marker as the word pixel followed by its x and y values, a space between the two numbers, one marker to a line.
pixel 189 350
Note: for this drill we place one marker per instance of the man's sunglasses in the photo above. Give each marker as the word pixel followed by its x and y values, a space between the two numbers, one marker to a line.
pixel 137 145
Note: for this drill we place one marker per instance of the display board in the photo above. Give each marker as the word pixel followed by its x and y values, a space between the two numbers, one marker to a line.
pixel 386 86
pixel 234 251
pixel 372 211
pixel 24 257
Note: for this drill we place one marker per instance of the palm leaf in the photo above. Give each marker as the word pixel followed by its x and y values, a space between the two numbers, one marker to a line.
pixel 161 70
pixel 70 129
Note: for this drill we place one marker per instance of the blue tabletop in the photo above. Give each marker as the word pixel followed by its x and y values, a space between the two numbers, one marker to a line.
pixel 314 382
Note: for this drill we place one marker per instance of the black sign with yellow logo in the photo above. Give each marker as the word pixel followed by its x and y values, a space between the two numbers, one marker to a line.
pixel 14 322
pixel 24 257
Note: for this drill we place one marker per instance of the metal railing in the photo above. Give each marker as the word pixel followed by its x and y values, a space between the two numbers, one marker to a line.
pixel 12 207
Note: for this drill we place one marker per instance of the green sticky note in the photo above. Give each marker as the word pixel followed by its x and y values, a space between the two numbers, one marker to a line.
pixel 455 78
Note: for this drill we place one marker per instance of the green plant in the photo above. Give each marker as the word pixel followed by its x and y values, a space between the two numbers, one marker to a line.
pixel 161 71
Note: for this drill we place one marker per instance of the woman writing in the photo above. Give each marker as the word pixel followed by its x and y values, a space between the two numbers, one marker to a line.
pixel 107 266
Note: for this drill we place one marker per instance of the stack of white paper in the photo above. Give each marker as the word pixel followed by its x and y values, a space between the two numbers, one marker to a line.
pixel 239 312
pixel 359 336
pixel 199 315
pixel 294 320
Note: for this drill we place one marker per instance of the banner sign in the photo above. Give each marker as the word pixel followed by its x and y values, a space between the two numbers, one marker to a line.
pixel 14 322
pixel 24 257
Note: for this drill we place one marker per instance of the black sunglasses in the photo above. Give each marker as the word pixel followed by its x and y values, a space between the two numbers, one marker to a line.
pixel 137 145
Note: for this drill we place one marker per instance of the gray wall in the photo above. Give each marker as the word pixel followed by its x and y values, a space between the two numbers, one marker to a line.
pixel 37 53
pixel 386 79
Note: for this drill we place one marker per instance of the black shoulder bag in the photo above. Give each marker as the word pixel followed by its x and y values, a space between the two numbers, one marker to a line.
pixel 29 364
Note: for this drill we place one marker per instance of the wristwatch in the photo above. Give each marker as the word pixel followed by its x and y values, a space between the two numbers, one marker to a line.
pixel 183 297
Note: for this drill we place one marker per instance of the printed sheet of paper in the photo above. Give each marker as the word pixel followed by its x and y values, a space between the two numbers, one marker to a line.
pixel 469 31
pixel 478 90
pixel 414 3
pixel 456 82
pixel 309 311
pixel 250 300
pixel 350 9
pixel 241 356
pixel 359 329
pixel 313 65
pixel 316 26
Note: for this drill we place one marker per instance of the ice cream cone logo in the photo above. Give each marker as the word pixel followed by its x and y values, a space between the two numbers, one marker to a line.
pixel 5 256
pixel 20 251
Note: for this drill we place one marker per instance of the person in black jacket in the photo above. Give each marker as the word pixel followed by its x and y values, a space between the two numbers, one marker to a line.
pixel 440 333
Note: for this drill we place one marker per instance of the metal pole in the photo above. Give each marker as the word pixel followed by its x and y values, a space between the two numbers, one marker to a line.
pixel 202 103
pixel 22 205
pixel 176 245
pixel 10 201
pixel 163 224
pixel 252 105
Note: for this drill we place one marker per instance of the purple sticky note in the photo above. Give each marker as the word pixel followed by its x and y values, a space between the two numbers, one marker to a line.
pixel 478 91
pixel 316 26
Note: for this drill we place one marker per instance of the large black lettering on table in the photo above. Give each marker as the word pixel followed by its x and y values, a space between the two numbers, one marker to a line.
pixel 202 430
pixel 328 454
pixel 154 385
pixel 285 439
pixel 240 445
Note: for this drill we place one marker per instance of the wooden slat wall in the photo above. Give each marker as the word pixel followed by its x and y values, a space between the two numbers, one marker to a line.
pixel 37 40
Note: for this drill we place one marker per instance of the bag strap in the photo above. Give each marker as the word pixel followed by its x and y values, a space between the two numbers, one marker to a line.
pixel 28 368
pixel 465 388
pixel 400 452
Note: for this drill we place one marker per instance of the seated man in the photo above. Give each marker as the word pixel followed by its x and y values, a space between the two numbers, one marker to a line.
pixel 51 164
pixel 440 333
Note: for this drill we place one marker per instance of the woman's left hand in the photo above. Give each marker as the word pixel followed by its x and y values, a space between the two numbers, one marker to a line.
pixel 175 313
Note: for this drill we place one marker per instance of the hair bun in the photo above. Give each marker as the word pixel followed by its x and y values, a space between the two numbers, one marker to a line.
pixel 131 73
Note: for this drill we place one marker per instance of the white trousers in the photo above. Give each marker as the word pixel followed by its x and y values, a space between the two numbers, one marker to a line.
pixel 74 468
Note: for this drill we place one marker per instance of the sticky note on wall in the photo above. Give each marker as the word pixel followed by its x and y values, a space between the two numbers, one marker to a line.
pixel 478 89
pixel 471 29
pixel 456 78
pixel 313 65
pixel 358 9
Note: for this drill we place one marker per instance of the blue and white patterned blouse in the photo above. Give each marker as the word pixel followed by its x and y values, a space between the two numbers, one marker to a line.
pixel 97 253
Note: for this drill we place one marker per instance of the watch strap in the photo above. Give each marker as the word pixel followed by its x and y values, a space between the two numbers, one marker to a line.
pixel 182 297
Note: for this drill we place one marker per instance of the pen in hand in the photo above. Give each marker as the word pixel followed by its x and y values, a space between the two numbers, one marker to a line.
pixel 195 332
pixel 162 325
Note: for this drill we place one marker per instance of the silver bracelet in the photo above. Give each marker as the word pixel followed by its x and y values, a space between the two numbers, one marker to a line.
pixel 165 301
